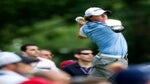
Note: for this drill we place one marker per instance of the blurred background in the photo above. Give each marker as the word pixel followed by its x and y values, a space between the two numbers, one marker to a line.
pixel 50 24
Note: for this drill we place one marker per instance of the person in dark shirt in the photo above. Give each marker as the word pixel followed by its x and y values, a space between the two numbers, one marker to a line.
pixel 83 66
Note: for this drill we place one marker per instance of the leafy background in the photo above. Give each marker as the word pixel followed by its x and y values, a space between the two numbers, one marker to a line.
pixel 50 24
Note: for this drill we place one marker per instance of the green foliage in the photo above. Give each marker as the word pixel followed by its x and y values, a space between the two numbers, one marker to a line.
pixel 51 25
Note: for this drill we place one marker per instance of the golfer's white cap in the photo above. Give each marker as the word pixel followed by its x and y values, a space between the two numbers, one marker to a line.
pixel 94 11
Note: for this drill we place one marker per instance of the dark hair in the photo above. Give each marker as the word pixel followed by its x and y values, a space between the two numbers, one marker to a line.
pixel 24 46
pixel 88 18
pixel 78 51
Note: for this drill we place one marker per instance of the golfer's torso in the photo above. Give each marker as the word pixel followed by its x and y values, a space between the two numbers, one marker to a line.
pixel 107 40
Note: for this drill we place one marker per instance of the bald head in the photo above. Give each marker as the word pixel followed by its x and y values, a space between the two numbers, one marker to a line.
pixel 45 54
pixel 116 66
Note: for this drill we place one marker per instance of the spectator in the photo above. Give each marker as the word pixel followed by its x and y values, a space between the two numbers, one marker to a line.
pixel 32 50
pixel 133 75
pixel 46 54
pixel 14 68
pixel 83 66
pixel 115 68
pixel 66 62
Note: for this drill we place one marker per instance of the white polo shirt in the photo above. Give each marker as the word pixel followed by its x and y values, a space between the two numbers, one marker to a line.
pixel 45 64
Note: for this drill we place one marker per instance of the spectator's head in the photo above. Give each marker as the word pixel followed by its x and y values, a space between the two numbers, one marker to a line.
pixel 15 62
pixel 84 55
pixel 67 62
pixel 46 54
pixel 30 50
pixel 116 66
pixel 132 76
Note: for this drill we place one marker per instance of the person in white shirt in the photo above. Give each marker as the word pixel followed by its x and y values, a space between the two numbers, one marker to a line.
pixel 32 50
pixel 44 53
pixel 45 64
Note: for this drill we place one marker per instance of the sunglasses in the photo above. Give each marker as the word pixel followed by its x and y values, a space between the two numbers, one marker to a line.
pixel 86 53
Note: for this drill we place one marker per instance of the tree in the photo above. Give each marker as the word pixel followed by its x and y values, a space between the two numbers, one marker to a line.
pixel 51 24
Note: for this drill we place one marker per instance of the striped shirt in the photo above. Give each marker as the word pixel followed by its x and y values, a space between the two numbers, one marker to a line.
pixel 108 41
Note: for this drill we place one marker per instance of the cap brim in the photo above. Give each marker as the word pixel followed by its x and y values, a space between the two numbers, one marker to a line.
pixel 108 11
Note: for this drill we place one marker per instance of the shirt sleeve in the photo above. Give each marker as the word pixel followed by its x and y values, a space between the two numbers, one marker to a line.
pixel 81 32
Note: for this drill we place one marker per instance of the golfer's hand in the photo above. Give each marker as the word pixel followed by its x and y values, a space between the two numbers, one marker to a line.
pixel 80 20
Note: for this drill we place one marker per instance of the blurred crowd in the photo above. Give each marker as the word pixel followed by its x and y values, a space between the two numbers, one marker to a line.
pixel 36 66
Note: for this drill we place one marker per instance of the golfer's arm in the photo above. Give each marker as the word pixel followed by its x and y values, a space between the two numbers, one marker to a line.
pixel 79 35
